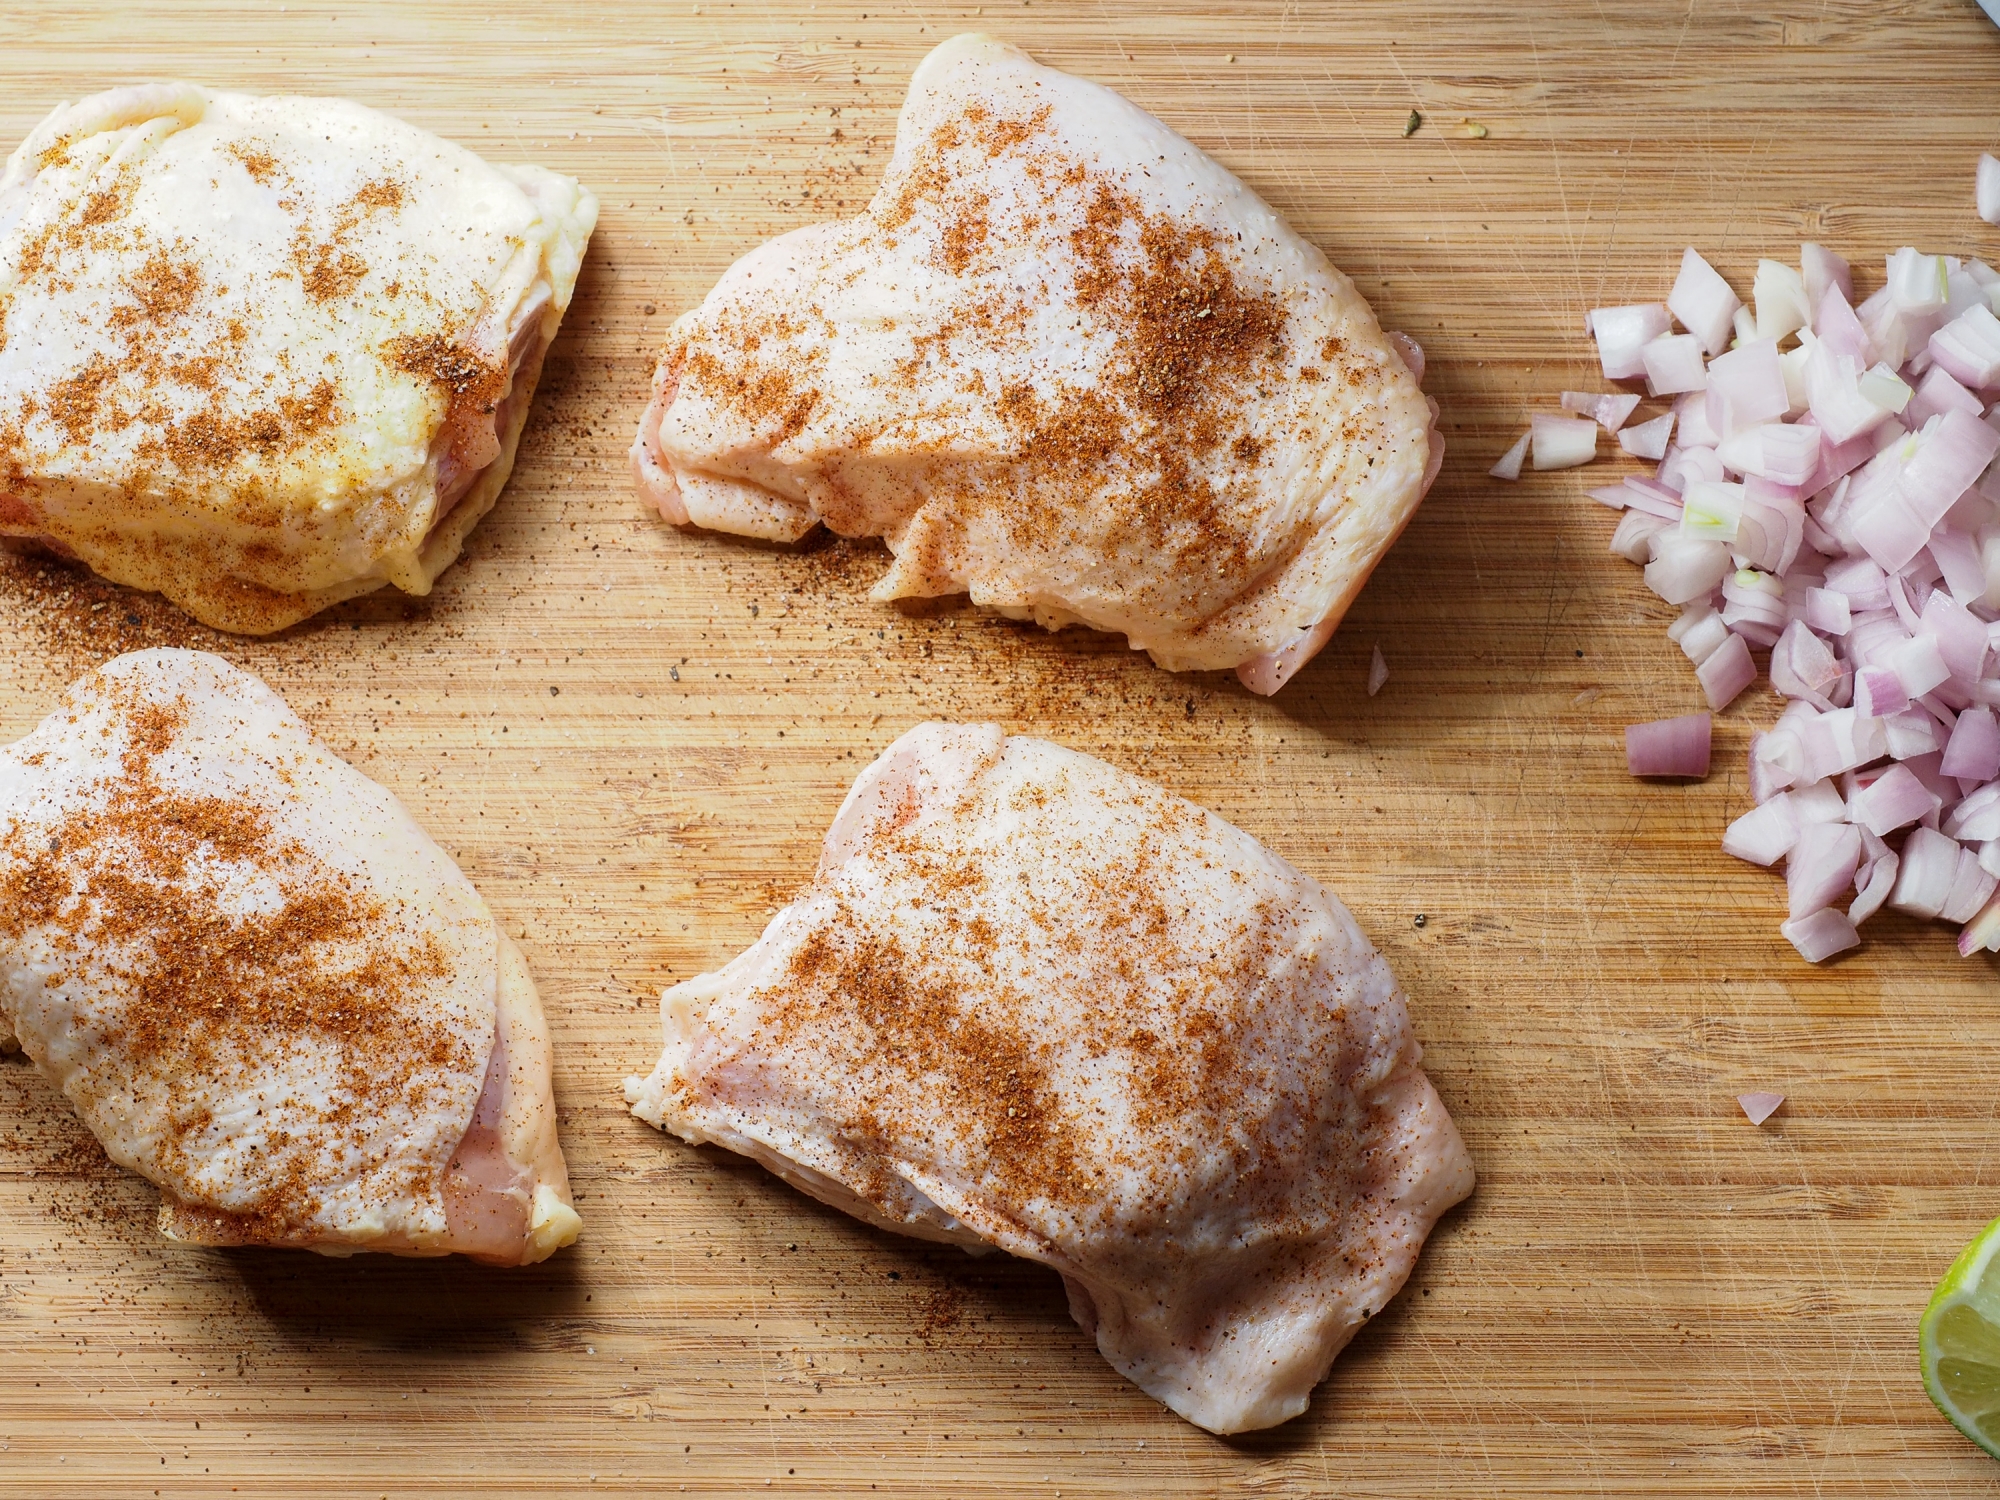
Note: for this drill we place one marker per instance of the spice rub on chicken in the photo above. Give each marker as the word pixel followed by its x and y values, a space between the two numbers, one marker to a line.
pixel 1065 362
pixel 1031 1001
pixel 262 986
pixel 264 354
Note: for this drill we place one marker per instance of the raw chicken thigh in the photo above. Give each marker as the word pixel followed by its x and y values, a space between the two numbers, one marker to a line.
pixel 1065 362
pixel 262 986
pixel 1034 1002
pixel 266 354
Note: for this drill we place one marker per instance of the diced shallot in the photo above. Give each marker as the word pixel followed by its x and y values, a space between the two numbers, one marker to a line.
pixel 1634 537
pixel 1821 865
pixel 1746 387
pixel 1669 747
pixel 1759 1105
pixel 1765 834
pixel 1672 364
pixel 1838 502
pixel 1780 295
pixel 1973 752
pixel 1821 935
pixel 1648 439
pixel 1930 866
pixel 1621 332
pixel 1609 412
pixel 1378 671
pixel 1786 454
pixel 1509 467
pixel 1562 442
pixel 1703 302
pixel 1874 892
pixel 1684 568
pixel 1821 269
pixel 1986 189
pixel 1727 672
pixel 1895 799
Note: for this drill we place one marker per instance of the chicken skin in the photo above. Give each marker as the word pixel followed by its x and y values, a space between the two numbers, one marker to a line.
pixel 264 354
pixel 262 986
pixel 1033 1002
pixel 1066 363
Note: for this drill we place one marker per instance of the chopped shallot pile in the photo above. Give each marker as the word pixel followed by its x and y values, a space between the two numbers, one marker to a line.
pixel 1826 492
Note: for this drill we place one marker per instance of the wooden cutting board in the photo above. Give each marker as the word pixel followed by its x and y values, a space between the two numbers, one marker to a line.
pixel 633 739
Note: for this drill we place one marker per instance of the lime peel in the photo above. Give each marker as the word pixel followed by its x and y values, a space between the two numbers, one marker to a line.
pixel 1959 1340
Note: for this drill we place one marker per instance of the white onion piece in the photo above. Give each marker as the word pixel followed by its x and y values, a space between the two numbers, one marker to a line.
pixel 1561 442
pixel 1672 364
pixel 1703 302
pixel 1986 189
pixel 1648 439
pixel 1621 332
pixel 1509 467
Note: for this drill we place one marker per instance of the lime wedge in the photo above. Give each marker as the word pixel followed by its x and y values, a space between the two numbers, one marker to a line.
pixel 1959 1337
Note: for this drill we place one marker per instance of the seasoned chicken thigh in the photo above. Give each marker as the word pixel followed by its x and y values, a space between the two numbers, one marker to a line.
pixel 1034 1002
pixel 1065 362
pixel 265 354
pixel 262 986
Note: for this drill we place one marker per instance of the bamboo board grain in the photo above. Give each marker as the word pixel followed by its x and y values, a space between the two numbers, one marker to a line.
pixel 632 739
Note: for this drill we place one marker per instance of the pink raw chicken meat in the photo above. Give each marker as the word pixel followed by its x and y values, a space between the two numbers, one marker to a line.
pixel 1065 362
pixel 262 986
pixel 1031 1001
